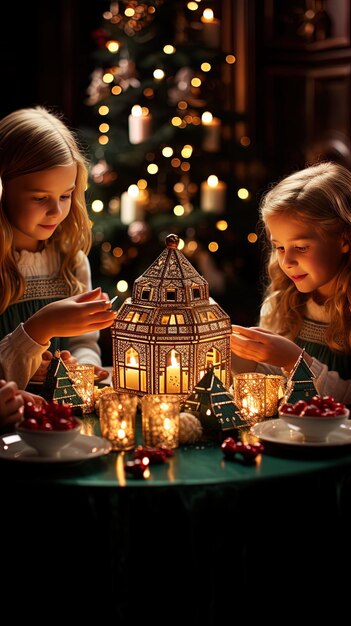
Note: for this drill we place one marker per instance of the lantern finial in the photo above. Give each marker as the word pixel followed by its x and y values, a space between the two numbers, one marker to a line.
pixel 172 241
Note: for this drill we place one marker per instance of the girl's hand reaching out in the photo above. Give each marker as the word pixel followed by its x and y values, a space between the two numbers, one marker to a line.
pixel 262 346
pixel 73 316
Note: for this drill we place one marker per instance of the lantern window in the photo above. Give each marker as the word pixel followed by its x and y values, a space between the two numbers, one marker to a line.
pixel 196 293
pixel 134 316
pixel 171 295
pixel 146 294
pixel 172 318
pixel 207 316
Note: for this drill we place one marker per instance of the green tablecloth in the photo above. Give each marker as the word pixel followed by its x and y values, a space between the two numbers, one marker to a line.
pixel 144 548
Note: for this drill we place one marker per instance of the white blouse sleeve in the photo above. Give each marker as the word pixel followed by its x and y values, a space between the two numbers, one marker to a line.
pixel 20 356
pixel 329 383
pixel 85 348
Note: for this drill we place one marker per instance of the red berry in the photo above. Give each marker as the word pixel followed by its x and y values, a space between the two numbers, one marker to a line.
pixel 32 410
pixel 317 401
pixel 328 400
pixel 45 424
pixel 137 468
pixel 312 409
pixel 299 406
pixel 339 410
pixel 155 455
pixel 62 423
pixel 230 447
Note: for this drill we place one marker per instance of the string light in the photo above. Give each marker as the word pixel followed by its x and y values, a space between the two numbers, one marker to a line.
pixel 97 206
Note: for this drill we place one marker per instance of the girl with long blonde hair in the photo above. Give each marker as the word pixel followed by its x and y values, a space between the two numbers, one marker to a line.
pixel 45 237
pixel 306 220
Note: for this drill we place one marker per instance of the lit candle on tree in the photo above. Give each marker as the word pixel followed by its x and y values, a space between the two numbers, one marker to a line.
pixel 139 124
pixel 212 132
pixel 213 195
pixel 211 29
pixel 132 205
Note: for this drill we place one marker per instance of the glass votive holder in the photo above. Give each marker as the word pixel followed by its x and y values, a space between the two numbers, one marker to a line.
pixel 160 420
pixel 82 377
pixel 273 392
pixel 117 413
pixel 249 396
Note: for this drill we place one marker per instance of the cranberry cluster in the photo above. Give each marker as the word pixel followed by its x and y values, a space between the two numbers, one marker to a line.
pixel 155 455
pixel 248 451
pixel 318 406
pixel 145 456
pixel 51 416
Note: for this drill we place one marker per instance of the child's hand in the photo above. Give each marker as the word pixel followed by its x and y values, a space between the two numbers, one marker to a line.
pixel 71 317
pixel 257 344
pixel 41 373
pixel 67 358
pixel 100 373
pixel 11 404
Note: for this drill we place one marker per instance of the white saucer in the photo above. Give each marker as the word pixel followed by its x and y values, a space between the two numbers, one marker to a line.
pixel 276 431
pixel 83 448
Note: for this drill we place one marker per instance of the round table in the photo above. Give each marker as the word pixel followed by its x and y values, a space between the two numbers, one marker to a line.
pixel 198 539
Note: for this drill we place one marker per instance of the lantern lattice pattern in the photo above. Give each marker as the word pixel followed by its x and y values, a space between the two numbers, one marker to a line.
pixel 170 331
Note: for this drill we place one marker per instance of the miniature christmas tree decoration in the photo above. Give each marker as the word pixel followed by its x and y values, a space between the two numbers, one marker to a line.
pixel 300 384
pixel 213 405
pixel 58 385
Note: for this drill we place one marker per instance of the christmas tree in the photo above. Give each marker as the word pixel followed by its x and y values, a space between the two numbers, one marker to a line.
pixel 165 155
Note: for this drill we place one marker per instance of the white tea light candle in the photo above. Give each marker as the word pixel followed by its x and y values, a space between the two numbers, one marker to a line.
pixel 139 124
pixel 213 195
pixel 132 205
pixel 211 141
pixel 211 29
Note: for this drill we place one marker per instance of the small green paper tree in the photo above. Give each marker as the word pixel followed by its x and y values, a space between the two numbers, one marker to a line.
pixel 213 405
pixel 300 384
pixel 58 385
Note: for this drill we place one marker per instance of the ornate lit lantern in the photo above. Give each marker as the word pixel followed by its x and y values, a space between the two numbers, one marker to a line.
pixel 170 331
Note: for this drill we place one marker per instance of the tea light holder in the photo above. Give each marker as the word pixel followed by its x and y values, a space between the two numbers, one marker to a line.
pixel 160 420
pixel 117 414
pixel 274 390
pixel 257 395
pixel 82 377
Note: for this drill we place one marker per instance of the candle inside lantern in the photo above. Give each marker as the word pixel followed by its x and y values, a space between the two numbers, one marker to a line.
pixel 211 29
pixel 160 420
pixel 173 374
pixel 213 195
pixel 117 412
pixel 132 373
pixel 139 124
pixel 212 132
pixel 132 205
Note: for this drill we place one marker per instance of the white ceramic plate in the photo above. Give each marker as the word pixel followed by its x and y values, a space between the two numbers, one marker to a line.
pixel 276 431
pixel 83 448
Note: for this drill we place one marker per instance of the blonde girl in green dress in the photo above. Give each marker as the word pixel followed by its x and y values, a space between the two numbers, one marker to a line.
pixel 47 301
pixel 306 220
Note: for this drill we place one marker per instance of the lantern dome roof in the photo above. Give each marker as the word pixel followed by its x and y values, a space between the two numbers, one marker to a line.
pixel 171 278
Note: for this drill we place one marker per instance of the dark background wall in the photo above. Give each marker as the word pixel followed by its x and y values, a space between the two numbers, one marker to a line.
pixel 292 80
pixel 45 54
pixel 296 76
